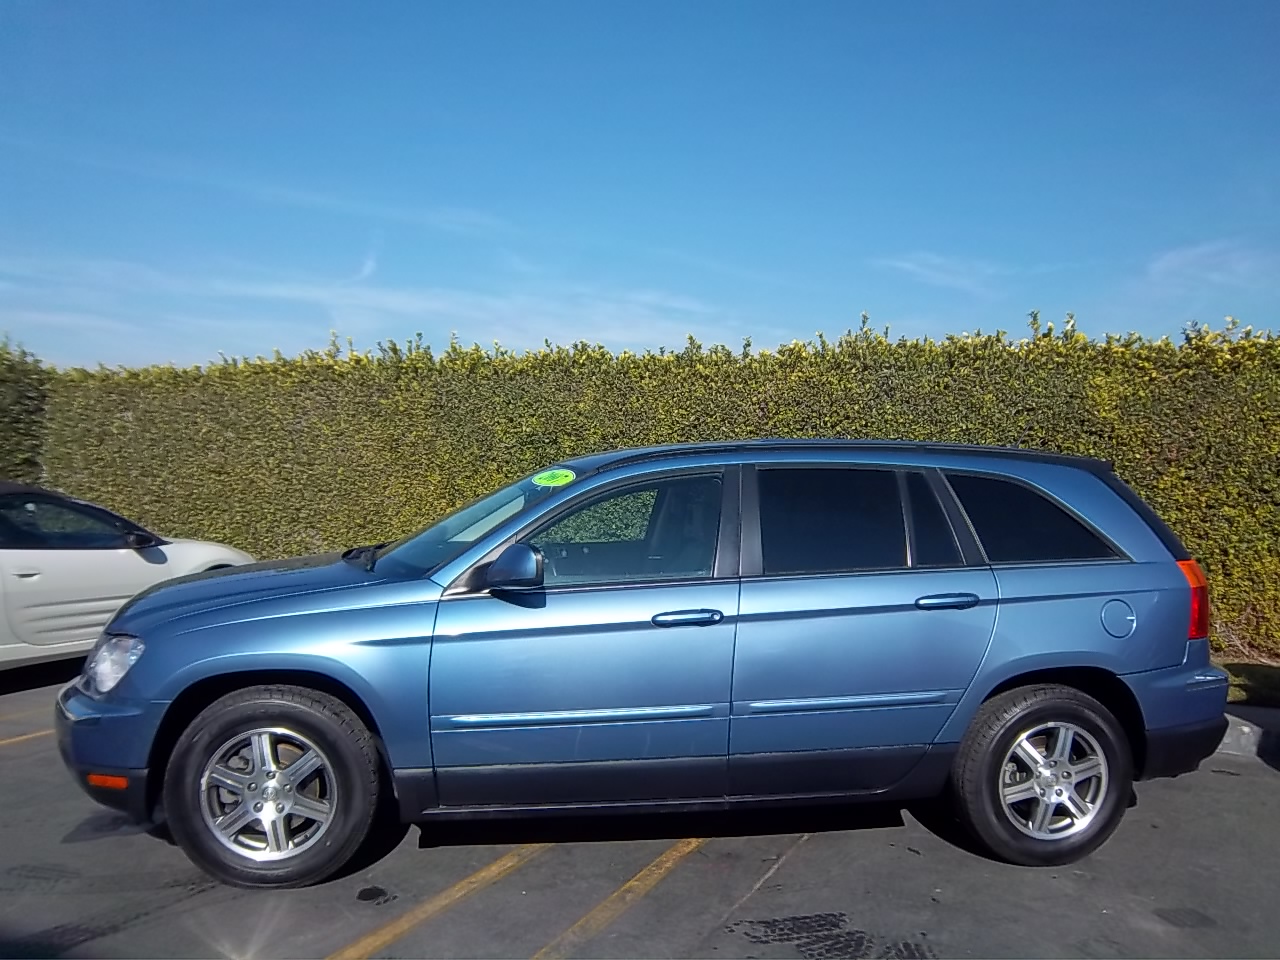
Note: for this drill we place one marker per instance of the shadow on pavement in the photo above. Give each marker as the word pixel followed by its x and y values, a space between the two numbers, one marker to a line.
pixel 1260 682
pixel 22 679
pixel 615 827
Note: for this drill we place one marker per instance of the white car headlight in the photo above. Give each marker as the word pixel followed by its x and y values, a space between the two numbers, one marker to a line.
pixel 110 660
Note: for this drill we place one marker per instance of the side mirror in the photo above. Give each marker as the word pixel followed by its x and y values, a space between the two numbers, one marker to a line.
pixel 517 567
pixel 140 540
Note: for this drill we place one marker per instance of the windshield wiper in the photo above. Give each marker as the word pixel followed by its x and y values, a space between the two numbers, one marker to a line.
pixel 366 556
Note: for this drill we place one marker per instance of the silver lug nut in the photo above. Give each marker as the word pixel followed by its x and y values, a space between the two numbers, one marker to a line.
pixel 271 774
pixel 253 787
pixel 257 807
pixel 280 806
pixel 288 787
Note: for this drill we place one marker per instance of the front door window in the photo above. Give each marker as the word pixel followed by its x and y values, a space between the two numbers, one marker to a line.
pixel 655 531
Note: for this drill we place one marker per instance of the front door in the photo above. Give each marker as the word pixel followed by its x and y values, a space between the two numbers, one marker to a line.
pixel 612 682
pixel 860 629
pixel 66 569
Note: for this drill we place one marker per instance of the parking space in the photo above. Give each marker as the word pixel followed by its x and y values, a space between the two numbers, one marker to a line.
pixel 1192 873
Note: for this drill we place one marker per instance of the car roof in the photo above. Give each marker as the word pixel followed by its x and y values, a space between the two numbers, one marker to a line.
pixel 593 463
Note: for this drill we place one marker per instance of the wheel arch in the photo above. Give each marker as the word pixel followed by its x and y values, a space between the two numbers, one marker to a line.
pixel 1101 684
pixel 199 694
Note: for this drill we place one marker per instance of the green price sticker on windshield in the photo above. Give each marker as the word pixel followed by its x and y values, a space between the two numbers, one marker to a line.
pixel 554 478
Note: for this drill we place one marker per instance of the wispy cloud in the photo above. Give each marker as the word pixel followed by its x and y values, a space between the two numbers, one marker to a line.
pixel 978 278
pixel 445 218
pixel 1218 263
pixel 522 317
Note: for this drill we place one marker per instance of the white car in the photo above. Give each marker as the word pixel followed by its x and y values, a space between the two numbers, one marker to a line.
pixel 67 566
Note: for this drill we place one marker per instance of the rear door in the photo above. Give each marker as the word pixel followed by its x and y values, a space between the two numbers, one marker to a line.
pixel 862 623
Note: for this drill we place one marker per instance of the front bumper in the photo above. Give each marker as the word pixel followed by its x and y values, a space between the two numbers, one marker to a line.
pixel 105 747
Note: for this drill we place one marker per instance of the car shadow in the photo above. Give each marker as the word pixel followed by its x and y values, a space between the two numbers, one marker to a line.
pixel 389 833
pixel 772 821
pixel 1260 683
pixel 55 673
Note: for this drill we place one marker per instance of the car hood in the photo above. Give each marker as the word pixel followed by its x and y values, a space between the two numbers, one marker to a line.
pixel 203 593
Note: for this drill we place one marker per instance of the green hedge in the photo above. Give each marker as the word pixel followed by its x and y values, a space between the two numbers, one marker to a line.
pixel 292 455
pixel 23 385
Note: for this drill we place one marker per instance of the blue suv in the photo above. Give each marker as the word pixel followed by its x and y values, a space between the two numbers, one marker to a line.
pixel 673 628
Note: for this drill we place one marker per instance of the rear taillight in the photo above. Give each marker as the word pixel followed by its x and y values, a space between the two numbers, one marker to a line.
pixel 1198 628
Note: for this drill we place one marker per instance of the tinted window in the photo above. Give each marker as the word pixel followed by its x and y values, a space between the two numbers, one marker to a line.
pixel 33 523
pixel 934 543
pixel 1015 524
pixel 665 530
pixel 830 521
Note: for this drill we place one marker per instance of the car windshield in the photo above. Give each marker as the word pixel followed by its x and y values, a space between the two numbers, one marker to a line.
pixel 427 550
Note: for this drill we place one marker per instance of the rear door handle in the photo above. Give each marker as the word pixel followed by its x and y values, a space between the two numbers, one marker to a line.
pixel 949 601
pixel 26 574
pixel 688 618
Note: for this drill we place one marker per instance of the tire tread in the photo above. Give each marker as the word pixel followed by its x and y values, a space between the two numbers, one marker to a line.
pixel 328 708
pixel 967 777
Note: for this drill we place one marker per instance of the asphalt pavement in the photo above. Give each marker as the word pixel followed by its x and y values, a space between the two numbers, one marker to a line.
pixel 1192 873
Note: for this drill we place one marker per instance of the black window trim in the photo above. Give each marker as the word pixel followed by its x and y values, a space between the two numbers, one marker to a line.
pixel 123 524
pixel 966 546
pixel 753 551
pixel 1121 556
pixel 726 567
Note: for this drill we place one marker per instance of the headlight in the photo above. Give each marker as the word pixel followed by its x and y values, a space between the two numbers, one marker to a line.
pixel 110 661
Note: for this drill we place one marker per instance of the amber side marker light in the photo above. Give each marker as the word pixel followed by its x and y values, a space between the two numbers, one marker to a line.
pixel 1198 623
pixel 108 782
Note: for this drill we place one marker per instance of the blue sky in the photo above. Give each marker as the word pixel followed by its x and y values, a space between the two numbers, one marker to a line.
pixel 178 179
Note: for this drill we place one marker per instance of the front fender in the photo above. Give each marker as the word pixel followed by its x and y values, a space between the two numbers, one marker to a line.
pixel 391 682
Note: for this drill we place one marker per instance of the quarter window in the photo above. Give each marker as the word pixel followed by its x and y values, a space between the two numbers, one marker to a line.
pixel 830 520
pixel 1015 524
pixel 664 530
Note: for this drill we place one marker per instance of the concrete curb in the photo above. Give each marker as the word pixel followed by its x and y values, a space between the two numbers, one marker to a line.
pixel 1253 732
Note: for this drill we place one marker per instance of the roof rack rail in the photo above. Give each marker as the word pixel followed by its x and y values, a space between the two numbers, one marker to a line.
pixel 643 454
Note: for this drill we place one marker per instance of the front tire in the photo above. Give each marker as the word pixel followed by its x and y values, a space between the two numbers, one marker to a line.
pixel 1043 775
pixel 273 786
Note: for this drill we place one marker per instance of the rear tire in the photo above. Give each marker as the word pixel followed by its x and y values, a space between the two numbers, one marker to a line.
pixel 1043 775
pixel 273 786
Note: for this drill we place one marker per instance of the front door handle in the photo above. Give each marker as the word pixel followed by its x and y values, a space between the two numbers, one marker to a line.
pixel 949 601
pixel 26 574
pixel 688 618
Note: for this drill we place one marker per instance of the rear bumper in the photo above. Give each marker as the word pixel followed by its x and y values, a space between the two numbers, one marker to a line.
pixel 96 745
pixel 1184 709
pixel 1173 751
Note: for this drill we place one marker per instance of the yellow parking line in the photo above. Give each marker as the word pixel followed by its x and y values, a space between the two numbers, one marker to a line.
pixel 617 903
pixel 25 736
pixel 381 938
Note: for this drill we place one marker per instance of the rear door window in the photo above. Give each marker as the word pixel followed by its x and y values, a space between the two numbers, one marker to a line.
pixel 830 520
pixel 1016 524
